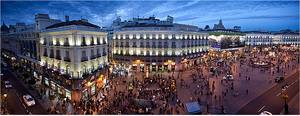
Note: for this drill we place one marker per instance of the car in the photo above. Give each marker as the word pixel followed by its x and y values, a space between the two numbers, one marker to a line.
pixel 28 100
pixel 7 84
pixel 279 79
pixel 284 87
pixel 265 113
pixel 228 77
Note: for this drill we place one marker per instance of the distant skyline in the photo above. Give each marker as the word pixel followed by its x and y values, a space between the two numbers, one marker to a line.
pixel 250 15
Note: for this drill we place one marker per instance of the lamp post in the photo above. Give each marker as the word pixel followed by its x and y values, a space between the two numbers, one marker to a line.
pixel 5 99
pixel 286 106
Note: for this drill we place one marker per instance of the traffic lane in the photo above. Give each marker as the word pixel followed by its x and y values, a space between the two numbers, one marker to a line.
pixel 277 102
pixel 15 105
pixel 21 90
pixel 269 98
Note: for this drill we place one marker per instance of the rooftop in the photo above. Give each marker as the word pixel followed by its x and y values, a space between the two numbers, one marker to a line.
pixel 74 22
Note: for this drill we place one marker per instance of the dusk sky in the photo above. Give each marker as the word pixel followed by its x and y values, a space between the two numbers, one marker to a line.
pixel 250 15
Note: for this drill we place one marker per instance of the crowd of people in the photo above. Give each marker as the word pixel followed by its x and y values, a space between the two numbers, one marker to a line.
pixel 161 93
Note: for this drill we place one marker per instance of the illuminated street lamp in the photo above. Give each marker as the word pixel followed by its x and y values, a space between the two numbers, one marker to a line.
pixel 5 95
pixel 286 106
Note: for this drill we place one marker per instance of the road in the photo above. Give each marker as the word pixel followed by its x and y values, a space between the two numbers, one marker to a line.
pixel 271 100
pixel 15 103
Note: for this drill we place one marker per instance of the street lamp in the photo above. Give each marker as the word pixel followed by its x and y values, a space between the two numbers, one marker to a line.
pixel 286 106
pixel 5 95
pixel 5 99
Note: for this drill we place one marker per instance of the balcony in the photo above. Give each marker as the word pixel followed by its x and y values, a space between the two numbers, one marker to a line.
pixel 51 55
pixel 83 44
pixel 58 57
pixel 93 57
pixel 57 44
pixel 92 43
pixel 67 59
pixel 45 54
pixel 66 44
pixel 83 59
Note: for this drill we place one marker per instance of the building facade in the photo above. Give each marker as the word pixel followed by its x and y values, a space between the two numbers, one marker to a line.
pixel 269 39
pixel 259 38
pixel 148 44
pixel 77 51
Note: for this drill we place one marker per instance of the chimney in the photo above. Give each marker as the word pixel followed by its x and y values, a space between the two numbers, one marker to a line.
pixel 67 18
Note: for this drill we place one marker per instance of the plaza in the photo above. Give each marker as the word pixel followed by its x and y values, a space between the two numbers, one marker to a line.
pixel 104 58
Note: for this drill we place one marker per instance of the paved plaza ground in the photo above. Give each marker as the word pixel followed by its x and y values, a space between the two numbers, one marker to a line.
pixel 194 84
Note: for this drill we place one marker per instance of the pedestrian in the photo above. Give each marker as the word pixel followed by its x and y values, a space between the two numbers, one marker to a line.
pixel 247 91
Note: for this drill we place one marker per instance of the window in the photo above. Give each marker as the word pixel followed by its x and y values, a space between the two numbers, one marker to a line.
pixel 117 44
pixel 98 40
pixel 173 45
pixel 83 56
pixel 154 44
pixel 127 36
pixel 45 41
pixel 127 44
pixel 121 44
pixel 83 41
pixel 166 44
pixel 142 44
pixel 134 36
pixel 67 57
pixel 104 52
pixel 159 45
pixel 51 53
pixel 92 54
pixel 66 42
pixel 98 52
pixel 92 40
pixel 45 52
pixel 57 42
pixel 134 44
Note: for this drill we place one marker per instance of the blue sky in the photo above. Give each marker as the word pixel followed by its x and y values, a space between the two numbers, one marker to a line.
pixel 250 15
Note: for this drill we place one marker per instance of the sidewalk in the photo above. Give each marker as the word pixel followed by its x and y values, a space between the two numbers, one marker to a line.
pixel 293 106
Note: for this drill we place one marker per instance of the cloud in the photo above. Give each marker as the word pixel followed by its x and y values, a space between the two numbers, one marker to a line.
pixel 194 12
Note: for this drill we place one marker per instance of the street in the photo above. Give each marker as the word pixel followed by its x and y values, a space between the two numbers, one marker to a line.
pixel 15 103
pixel 271 100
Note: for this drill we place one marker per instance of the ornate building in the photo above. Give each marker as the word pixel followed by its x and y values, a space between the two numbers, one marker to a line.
pixel 148 44
pixel 77 51
pixel 256 38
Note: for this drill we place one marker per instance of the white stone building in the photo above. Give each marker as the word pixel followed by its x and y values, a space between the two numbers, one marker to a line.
pixel 269 39
pixel 153 45
pixel 78 50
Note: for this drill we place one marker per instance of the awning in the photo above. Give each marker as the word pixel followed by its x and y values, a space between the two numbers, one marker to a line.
pixel 193 107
